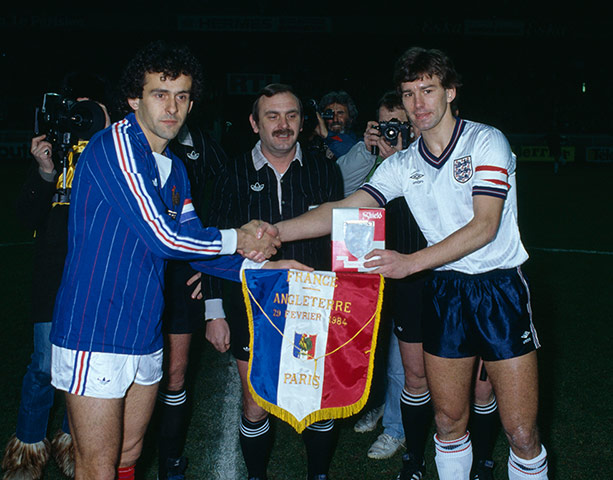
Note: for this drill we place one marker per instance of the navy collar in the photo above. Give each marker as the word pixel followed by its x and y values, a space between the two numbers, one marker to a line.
pixel 438 162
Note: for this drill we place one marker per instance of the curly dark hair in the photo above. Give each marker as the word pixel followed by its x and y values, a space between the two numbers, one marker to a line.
pixel 160 56
pixel 417 62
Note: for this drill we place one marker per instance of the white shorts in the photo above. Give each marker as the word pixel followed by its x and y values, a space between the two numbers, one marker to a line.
pixel 102 375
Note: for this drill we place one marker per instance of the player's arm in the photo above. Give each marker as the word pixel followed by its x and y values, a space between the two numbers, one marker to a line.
pixel 125 181
pixel 477 233
pixel 318 222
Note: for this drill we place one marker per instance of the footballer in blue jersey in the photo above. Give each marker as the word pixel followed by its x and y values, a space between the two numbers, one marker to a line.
pixel 131 211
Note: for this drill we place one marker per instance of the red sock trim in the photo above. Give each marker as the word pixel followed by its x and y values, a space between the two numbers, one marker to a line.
pixel 126 473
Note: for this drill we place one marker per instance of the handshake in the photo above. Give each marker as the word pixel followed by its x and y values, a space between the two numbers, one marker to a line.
pixel 257 240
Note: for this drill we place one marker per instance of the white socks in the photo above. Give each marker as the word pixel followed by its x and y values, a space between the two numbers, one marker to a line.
pixel 535 468
pixel 453 458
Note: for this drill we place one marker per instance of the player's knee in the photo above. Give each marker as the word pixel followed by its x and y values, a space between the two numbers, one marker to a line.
pixel 253 412
pixel 524 440
pixel 415 380
pixel 451 423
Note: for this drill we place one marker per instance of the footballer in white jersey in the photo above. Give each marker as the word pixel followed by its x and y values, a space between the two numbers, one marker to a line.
pixel 440 190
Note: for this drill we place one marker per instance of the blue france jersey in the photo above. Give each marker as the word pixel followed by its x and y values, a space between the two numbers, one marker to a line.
pixel 130 212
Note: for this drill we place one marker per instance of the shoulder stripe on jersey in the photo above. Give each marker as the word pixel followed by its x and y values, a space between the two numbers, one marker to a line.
pixel 438 162
pixel 497 182
pixel 491 168
pixel 376 194
pixel 146 204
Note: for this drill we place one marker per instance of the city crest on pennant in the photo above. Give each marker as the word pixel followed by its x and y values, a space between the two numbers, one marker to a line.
pixel 463 169
pixel 304 346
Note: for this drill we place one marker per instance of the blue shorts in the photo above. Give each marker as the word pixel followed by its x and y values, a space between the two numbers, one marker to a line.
pixel 486 315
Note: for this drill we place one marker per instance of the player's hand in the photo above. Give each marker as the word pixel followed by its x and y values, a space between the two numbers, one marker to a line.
pixel 388 263
pixel 257 240
pixel 287 264
pixel 218 333
pixel 41 150
pixel 195 280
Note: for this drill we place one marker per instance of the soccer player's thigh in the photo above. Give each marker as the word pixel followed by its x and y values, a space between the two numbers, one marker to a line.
pixel 450 383
pixel 138 407
pixel 96 428
pixel 515 383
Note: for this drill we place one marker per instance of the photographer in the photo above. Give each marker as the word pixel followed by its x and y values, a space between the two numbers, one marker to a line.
pixel 360 160
pixel 43 207
pixel 338 112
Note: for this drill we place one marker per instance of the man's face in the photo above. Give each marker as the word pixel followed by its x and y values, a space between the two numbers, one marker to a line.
pixel 341 118
pixel 279 123
pixel 163 108
pixel 426 102
pixel 385 114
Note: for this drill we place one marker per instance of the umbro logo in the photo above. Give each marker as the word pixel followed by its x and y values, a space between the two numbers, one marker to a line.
pixel 193 155
pixel 257 187
pixel 417 178
pixel 526 337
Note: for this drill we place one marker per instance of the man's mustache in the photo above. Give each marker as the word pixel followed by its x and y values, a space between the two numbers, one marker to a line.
pixel 285 131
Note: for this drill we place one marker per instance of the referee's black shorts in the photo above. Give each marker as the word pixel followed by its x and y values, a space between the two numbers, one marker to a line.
pixel 405 297
pixel 182 313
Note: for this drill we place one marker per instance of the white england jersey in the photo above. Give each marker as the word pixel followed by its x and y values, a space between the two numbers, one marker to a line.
pixel 439 191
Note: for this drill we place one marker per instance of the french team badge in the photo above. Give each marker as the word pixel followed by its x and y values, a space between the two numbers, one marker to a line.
pixel 463 169
pixel 312 342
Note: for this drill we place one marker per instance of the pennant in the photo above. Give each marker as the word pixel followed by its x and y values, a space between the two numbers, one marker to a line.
pixel 312 342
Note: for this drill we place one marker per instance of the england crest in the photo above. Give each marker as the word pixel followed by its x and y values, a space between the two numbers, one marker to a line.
pixel 463 169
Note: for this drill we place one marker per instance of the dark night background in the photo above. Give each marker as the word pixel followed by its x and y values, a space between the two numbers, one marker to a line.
pixel 522 69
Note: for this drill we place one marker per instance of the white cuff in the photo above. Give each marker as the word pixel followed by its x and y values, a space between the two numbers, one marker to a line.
pixel 213 308
pixel 229 239
pixel 251 265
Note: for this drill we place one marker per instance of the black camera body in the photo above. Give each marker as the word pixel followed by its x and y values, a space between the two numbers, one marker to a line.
pixel 310 111
pixel 328 114
pixel 392 128
pixel 64 121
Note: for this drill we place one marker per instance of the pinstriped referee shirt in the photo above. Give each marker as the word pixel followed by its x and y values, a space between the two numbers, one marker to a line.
pixel 252 189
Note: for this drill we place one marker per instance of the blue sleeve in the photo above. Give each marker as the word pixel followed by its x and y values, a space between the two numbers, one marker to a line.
pixel 126 176
pixel 226 266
